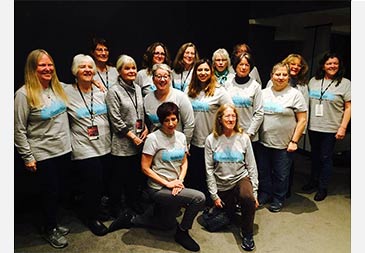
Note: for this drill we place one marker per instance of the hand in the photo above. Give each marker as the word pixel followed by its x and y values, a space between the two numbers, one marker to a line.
pixel 292 147
pixel 256 203
pixel 99 85
pixel 137 141
pixel 31 166
pixel 218 203
pixel 176 186
pixel 341 132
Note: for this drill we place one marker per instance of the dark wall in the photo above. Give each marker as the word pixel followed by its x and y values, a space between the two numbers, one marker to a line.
pixel 65 28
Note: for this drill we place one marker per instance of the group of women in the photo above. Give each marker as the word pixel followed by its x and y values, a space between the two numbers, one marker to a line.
pixel 194 134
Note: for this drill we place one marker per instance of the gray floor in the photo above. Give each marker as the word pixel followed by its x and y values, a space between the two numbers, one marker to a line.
pixel 303 225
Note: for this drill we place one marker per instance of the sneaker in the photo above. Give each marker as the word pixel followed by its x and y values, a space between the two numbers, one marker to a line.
pixel 248 243
pixel 55 238
pixel 275 207
pixel 184 239
pixel 63 230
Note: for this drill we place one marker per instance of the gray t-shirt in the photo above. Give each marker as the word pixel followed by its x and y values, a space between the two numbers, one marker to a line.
pixel 205 108
pixel 168 153
pixel 186 122
pixel 78 109
pixel 333 101
pixel 40 133
pixel 227 161
pixel 108 78
pixel 181 81
pixel 247 99
pixel 145 81
pixel 280 121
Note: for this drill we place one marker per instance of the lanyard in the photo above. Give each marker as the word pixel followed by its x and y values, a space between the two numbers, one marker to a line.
pixel 91 103
pixel 324 91
pixel 135 103
pixel 184 81
pixel 107 80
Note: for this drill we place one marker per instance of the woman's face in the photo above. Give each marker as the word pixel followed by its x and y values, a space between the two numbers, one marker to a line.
pixel 189 56
pixel 85 72
pixel 162 80
pixel 128 72
pixel 280 78
pixel 229 118
pixel 220 63
pixel 330 67
pixel 159 55
pixel 295 66
pixel 243 68
pixel 169 124
pixel 101 53
pixel 203 72
pixel 45 69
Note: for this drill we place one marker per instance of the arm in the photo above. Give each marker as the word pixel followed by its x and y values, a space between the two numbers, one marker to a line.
pixel 209 165
pixel 187 118
pixel 301 118
pixel 341 132
pixel 258 113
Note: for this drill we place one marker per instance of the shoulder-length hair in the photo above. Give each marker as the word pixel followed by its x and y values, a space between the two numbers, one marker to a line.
pixel 320 73
pixel 223 53
pixel 238 59
pixel 166 109
pixel 100 41
pixel 178 64
pixel 32 83
pixel 147 61
pixel 302 77
pixel 123 60
pixel 218 126
pixel 195 86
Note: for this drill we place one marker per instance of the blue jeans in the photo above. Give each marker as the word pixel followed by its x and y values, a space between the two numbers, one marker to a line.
pixel 274 168
pixel 322 147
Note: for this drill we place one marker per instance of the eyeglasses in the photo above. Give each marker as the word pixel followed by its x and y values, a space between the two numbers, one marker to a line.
pixel 159 53
pixel 159 77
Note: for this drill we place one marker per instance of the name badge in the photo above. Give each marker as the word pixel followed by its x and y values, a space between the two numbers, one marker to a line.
pixel 139 125
pixel 93 132
pixel 319 110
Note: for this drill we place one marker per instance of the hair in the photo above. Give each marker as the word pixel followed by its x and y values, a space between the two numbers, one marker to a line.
pixel 223 53
pixel 161 66
pixel 195 87
pixel 178 64
pixel 31 81
pixel 147 60
pixel 302 77
pixel 238 59
pixel 236 49
pixel 166 109
pixel 218 126
pixel 99 41
pixel 123 60
pixel 279 65
pixel 320 73
pixel 78 60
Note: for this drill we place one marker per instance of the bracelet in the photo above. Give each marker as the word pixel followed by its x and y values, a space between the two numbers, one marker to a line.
pixel 294 142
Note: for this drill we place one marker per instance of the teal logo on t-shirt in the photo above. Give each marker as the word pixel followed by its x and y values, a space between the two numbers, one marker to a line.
pixel 98 109
pixel 200 106
pixel 241 102
pixel 173 155
pixel 228 156
pixel 271 107
pixel 55 108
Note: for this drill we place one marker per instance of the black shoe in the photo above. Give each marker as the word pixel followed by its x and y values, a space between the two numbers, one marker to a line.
pixel 123 221
pixel 97 227
pixel 248 243
pixel 320 195
pixel 184 239
pixel 263 199
pixel 275 207
pixel 310 187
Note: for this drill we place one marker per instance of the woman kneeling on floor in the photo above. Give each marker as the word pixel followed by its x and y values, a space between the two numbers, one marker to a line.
pixel 164 162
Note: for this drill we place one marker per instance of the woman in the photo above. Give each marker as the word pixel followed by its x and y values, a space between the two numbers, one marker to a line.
pixel 183 65
pixel 285 117
pixel 165 93
pixel 239 49
pixel 42 136
pixel 231 170
pixel 156 53
pixel 298 79
pixel 247 97
pixel 206 96
pixel 221 64
pixel 330 113
pixel 90 138
pixel 126 113
pixel 165 164
pixel 106 73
